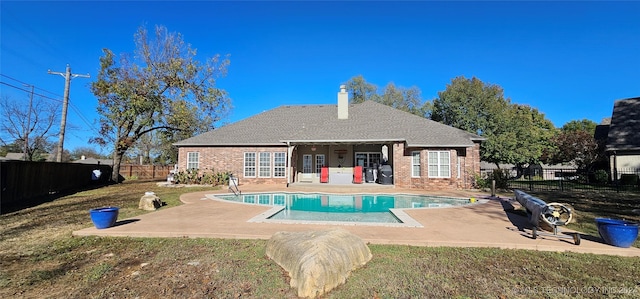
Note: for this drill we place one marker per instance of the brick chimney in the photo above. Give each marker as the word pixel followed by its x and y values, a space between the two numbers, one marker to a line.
pixel 343 103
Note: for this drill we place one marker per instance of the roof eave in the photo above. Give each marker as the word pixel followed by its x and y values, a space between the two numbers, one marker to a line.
pixel 440 145
pixel 613 149
pixel 344 140
pixel 227 144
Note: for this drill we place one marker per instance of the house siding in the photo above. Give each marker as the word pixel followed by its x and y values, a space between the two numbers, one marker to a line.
pixel 230 159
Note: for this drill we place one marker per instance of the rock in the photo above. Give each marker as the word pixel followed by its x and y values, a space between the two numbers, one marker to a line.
pixel 318 261
pixel 149 202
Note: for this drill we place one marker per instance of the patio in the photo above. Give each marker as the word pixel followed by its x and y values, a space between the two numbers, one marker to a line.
pixel 487 224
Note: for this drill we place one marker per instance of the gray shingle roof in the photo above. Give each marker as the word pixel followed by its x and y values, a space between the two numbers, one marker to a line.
pixel 367 122
pixel 625 125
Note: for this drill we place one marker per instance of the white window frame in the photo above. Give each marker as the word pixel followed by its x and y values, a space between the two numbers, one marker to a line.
pixel 320 161
pixel 307 164
pixel 249 165
pixel 264 165
pixel 369 160
pixel 437 167
pixel 415 161
pixel 279 164
pixel 193 160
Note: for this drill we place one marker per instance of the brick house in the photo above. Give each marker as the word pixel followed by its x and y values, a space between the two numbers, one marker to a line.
pixel 338 144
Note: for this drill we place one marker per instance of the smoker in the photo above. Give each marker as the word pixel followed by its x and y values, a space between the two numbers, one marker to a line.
pixel 385 175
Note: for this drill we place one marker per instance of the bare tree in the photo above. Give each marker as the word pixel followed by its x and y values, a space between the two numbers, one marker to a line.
pixel 28 124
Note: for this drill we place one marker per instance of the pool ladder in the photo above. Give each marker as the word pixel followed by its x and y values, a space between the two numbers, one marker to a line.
pixel 233 186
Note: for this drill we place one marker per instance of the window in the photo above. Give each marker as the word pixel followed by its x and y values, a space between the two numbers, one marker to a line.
pixel 264 170
pixel 279 164
pixel 415 164
pixel 249 164
pixel 367 160
pixel 439 166
pixel 306 164
pixel 319 163
pixel 193 160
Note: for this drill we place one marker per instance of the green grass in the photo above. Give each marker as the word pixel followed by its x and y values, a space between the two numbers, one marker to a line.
pixel 39 258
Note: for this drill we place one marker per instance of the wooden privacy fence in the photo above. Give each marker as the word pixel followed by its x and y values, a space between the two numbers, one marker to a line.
pixel 146 172
pixel 25 180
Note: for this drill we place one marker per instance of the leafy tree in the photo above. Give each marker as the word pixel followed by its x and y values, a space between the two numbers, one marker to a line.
pixel 10 148
pixel 401 98
pixel 575 143
pixel 586 125
pixel 162 87
pixel 578 147
pixel 66 155
pixel 361 90
pixel 470 105
pixel 515 134
pixel 31 125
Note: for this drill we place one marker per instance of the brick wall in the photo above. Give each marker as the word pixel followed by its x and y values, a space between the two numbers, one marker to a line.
pixel 469 165
pixel 223 159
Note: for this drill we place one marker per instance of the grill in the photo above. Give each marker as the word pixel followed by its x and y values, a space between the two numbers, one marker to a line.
pixel 385 175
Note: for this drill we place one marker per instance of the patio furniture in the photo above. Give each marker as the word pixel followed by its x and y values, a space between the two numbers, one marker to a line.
pixel 357 175
pixel 324 174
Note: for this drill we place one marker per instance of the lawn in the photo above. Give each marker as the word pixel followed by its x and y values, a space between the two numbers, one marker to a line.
pixel 39 258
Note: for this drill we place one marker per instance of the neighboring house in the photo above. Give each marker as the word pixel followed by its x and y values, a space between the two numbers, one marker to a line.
pixel 91 160
pixel 324 143
pixel 623 139
pixel 20 156
pixel 542 171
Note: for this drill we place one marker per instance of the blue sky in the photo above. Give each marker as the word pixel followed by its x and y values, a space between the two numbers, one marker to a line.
pixel 570 60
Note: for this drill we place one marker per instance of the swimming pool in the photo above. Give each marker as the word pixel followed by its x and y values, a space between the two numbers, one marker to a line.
pixel 352 209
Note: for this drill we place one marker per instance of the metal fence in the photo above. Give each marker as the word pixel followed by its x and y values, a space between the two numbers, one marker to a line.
pixel 565 179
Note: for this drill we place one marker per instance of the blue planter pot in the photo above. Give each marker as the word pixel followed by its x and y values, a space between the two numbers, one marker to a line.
pixel 619 233
pixel 104 217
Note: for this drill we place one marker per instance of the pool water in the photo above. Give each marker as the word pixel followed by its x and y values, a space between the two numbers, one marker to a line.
pixel 374 208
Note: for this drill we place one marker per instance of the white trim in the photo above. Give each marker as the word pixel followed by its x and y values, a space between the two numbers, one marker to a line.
pixel 438 164
pixel 260 167
pixel 284 166
pixel 413 160
pixel 244 165
pixel 197 162
pixel 317 168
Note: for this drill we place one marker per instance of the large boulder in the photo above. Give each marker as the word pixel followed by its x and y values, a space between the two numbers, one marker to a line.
pixel 318 261
pixel 149 202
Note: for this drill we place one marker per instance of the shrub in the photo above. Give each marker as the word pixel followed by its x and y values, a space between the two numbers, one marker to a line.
pixel 194 177
pixel 480 182
pixel 501 176
pixel 187 177
pixel 600 176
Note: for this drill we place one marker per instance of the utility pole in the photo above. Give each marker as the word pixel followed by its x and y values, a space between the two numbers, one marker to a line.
pixel 63 122
pixel 27 130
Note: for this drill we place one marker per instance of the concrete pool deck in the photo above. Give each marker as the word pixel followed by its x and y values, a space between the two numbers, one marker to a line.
pixel 487 224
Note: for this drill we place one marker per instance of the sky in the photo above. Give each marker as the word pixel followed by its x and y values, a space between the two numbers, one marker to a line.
pixel 569 60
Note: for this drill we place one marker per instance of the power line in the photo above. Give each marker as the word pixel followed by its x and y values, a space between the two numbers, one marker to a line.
pixel 26 90
pixel 75 108
pixel 25 83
